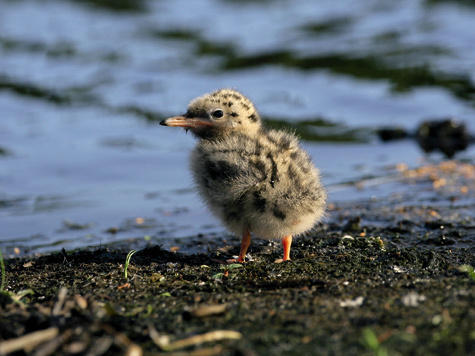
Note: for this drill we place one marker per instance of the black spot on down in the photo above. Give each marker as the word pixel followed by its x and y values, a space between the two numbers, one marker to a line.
pixel 221 170
pixel 279 214
pixel 261 169
pixel 253 117
pixel 259 202
pixel 274 175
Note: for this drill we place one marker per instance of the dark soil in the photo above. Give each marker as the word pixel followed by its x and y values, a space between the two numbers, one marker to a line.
pixel 380 277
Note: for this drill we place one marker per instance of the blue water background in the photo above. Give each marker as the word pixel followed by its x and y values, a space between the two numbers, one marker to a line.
pixel 83 87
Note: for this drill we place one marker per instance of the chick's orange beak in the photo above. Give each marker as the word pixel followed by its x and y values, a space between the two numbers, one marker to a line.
pixel 187 122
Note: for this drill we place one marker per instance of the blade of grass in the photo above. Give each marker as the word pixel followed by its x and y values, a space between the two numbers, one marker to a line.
pixel 127 262
pixel 2 267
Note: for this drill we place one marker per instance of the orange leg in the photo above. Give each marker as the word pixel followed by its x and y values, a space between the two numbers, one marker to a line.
pixel 287 242
pixel 245 242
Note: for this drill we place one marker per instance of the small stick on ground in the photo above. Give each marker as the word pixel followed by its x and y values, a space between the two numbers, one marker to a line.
pixel 29 341
pixel 164 341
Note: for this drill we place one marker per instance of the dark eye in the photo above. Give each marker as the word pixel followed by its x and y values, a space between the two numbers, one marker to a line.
pixel 218 113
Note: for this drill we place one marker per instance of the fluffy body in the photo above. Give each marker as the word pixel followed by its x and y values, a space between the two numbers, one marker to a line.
pixel 263 183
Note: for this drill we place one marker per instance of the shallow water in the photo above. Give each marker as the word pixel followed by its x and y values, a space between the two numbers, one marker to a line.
pixel 83 87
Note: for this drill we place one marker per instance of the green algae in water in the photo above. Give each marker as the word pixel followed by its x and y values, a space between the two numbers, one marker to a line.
pixel 320 130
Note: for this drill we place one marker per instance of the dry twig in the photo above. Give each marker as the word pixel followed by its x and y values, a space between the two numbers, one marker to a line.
pixel 29 341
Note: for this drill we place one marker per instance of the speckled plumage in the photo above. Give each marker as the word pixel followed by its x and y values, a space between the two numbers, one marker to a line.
pixel 253 179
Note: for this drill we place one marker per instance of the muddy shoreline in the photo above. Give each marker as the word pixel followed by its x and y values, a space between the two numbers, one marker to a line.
pixel 380 277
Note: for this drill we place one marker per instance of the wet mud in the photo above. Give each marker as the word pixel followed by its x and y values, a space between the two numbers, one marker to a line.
pixel 392 276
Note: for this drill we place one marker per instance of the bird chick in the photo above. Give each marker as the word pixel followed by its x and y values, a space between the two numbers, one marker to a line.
pixel 252 178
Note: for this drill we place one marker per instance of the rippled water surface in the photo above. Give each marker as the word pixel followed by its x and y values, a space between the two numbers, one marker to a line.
pixel 83 86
